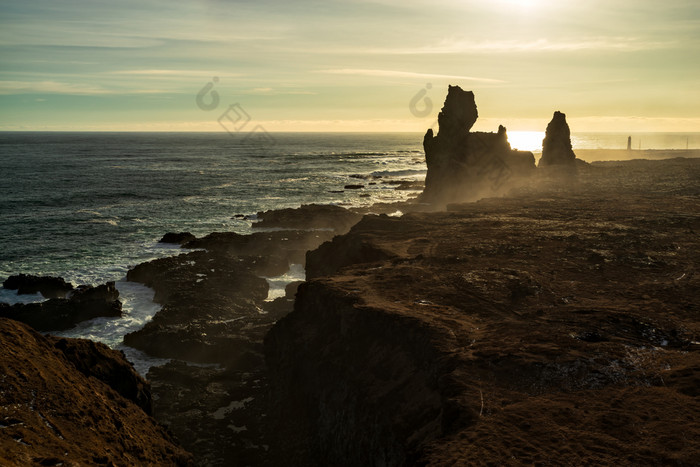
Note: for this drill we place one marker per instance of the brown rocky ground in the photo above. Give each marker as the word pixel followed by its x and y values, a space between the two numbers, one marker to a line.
pixel 214 313
pixel 557 326
pixel 52 413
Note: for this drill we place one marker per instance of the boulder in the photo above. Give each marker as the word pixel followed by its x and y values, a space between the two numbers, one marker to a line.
pixel 556 145
pixel 179 238
pixel 48 286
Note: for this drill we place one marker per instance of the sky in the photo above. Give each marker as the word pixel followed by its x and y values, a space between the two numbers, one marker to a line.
pixel 347 65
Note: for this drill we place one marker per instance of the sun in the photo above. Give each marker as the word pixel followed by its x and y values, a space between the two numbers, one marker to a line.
pixel 525 4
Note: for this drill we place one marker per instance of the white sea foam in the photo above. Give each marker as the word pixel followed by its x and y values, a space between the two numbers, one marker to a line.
pixel 400 173
pixel 278 283
pixel 12 297
pixel 137 309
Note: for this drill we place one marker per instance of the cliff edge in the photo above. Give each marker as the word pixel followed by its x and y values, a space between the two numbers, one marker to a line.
pixel 555 326
pixel 52 413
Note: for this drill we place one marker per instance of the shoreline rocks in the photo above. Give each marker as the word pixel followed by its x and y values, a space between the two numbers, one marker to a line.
pixel 309 216
pixel 49 287
pixel 179 238
pixel 59 314
pixel 215 311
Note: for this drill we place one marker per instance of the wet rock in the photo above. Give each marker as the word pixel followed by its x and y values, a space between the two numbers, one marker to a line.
pixel 49 287
pixel 276 250
pixel 410 185
pixel 201 272
pixel 211 306
pixel 177 238
pixel 556 145
pixel 86 294
pixel 58 314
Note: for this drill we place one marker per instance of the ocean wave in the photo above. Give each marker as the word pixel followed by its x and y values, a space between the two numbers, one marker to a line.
pixel 399 173
pixel 112 222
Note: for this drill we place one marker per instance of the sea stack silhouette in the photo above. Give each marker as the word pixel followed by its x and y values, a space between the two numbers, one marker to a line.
pixel 556 145
pixel 463 165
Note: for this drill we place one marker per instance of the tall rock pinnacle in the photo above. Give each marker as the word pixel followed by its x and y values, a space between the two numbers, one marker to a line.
pixel 556 145
pixel 464 165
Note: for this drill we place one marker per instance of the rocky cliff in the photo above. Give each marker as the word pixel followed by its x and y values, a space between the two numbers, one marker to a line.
pixel 464 165
pixel 56 407
pixel 557 326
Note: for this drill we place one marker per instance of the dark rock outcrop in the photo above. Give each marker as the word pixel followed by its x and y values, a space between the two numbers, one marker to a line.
pixel 53 414
pixel 49 287
pixel 178 238
pixel 556 145
pixel 277 249
pixel 205 296
pixel 109 366
pixel 463 165
pixel 309 216
pixel 346 250
pixel 58 314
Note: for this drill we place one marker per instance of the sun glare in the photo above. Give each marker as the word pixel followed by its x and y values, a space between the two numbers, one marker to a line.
pixel 526 140
pixel 525 4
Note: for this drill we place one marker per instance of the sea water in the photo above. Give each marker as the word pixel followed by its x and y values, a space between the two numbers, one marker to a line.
pixel 88 206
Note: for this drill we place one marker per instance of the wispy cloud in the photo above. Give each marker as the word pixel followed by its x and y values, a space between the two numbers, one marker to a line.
pixel 277 92
pixel 56 87
pixel 176 73
pixel 404 74
pixel 454 46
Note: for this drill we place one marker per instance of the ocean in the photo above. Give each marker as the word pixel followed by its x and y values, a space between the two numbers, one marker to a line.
pixel 88 206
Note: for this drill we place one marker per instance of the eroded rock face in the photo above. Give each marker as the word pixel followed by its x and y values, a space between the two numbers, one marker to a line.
pixel 556 145
pixel 109 366
pixel 53 414
pixel 463 165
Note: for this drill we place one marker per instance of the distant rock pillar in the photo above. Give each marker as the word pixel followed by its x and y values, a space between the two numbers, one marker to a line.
pixel 556 145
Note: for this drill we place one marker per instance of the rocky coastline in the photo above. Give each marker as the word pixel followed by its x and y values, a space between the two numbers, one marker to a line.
pixel 554 321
